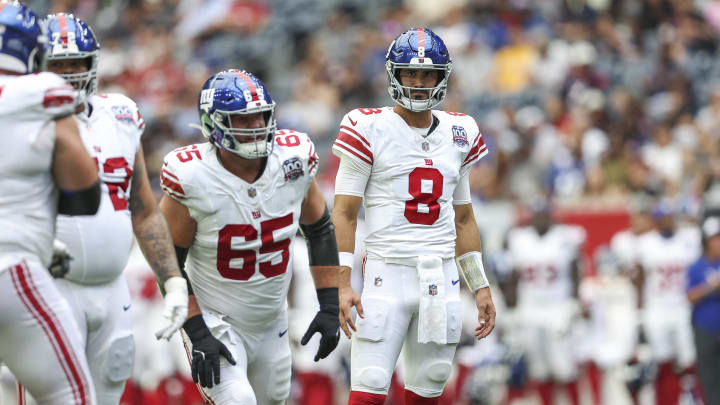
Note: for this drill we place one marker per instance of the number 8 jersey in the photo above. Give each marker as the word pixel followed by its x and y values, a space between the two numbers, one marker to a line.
pixel 412 178
pixel 238 263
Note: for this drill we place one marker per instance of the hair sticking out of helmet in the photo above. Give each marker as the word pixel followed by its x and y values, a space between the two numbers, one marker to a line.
pixel 24 39
pixel 237 92
pixel 71 38
pixel 418 48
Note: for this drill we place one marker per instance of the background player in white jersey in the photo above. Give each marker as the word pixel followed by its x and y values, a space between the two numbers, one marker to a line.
pixel 42 152
pixel 234 205
pixel 411 164
pixel 544 289
pixel 92 282
pixel 664 254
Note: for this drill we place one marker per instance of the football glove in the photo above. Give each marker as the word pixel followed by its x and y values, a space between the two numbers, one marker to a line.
pixel 60 263
pixel 326 322
pixel 206 352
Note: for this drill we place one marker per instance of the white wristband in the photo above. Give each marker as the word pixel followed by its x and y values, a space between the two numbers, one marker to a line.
pixel 471 267
pixel 347 259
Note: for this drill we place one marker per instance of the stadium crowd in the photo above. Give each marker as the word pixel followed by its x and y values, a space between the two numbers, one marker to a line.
pixel 596 105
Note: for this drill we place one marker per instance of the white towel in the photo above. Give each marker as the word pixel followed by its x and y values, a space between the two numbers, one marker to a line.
pixel 432 315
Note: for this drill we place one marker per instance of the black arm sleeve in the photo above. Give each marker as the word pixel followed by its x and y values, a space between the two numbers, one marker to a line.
pixel 181 254
pixel 83 202
pixel 322 246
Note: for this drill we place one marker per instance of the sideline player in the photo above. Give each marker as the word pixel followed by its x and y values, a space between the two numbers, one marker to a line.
pixel 234 205
pixel 546 274
pixel 411 164
pixel 41 152
pixel 92 282
pixel 664 254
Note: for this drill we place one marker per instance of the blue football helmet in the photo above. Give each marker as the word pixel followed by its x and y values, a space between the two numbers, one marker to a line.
pixel 22 39
pixel 71 38
pixel 418 48
pixel 232 92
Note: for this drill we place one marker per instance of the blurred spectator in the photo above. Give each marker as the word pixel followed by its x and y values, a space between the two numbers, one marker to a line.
pixel 703 290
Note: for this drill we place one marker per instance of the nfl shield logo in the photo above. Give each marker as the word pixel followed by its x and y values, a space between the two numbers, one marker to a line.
pixel 252 192
pixel 459 136
pixel 432 290
pixel 378 281
pixel 425 146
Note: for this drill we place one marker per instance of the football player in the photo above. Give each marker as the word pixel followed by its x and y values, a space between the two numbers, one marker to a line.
pixel 44 171
pixel 92 282
pixel 234 205
pixel 411 164
pixel 545 256
pixel 663 255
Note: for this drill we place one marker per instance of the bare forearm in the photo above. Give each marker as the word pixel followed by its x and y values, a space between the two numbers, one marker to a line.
pixel 344 231
pixel 154 239
pixel 468 238
pixel 325 276
pixel 702 291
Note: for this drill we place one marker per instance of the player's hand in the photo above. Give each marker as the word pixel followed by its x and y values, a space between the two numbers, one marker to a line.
pixel 327 323
pixel 348 299
pixel 60 263
pixel 206 352
pixel 176 306
pixel 486 312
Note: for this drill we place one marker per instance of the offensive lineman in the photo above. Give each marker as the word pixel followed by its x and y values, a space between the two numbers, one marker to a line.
pixel 110 127
pixel 411 164
pixel 41 153
pixel 234 205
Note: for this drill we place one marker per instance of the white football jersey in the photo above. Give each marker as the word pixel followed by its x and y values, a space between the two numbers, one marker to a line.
pixel 28 202
pixel 665 261
pixel 409 193
pixel 239 261
pixel 100 244
pixel 544 262
pixel 624 249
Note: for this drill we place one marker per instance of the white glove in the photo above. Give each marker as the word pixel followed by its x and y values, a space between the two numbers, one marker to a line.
pixel 176 306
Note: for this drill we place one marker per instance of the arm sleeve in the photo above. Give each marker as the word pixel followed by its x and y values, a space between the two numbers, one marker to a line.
pixel 352 177
pixel 462 195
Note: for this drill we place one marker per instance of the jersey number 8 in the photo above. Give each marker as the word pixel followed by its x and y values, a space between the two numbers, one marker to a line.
pixel 430 207
pixel 225 252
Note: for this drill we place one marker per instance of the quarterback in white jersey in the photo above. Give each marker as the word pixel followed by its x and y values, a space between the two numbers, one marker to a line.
pixel 110 127
pixel 411 165
pixel 545 257
pixel 234 206
pixel 44 170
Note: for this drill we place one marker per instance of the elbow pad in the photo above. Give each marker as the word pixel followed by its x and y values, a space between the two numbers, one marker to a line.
pixel 82 202
pixel 322 246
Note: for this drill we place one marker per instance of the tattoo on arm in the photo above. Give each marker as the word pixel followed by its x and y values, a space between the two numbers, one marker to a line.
pixel 154 239
pixel 135 204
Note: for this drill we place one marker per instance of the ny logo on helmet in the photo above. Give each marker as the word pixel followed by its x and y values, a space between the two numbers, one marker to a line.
pixel 206 98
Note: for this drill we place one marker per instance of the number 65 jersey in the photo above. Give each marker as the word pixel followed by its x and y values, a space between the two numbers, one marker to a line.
pixel 412 178
pixel 239 261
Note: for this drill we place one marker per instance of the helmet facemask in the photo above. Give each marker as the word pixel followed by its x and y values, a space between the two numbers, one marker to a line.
pixel 248 143
pixel 401 94
pixel 85 83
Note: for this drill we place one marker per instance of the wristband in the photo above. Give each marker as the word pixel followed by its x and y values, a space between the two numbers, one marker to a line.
pixel 471 267
pixel 347 259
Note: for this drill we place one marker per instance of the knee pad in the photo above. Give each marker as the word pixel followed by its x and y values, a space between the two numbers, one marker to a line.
pixel 279 384
pixel 374 378
pixel 119 359
pixel 439 371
